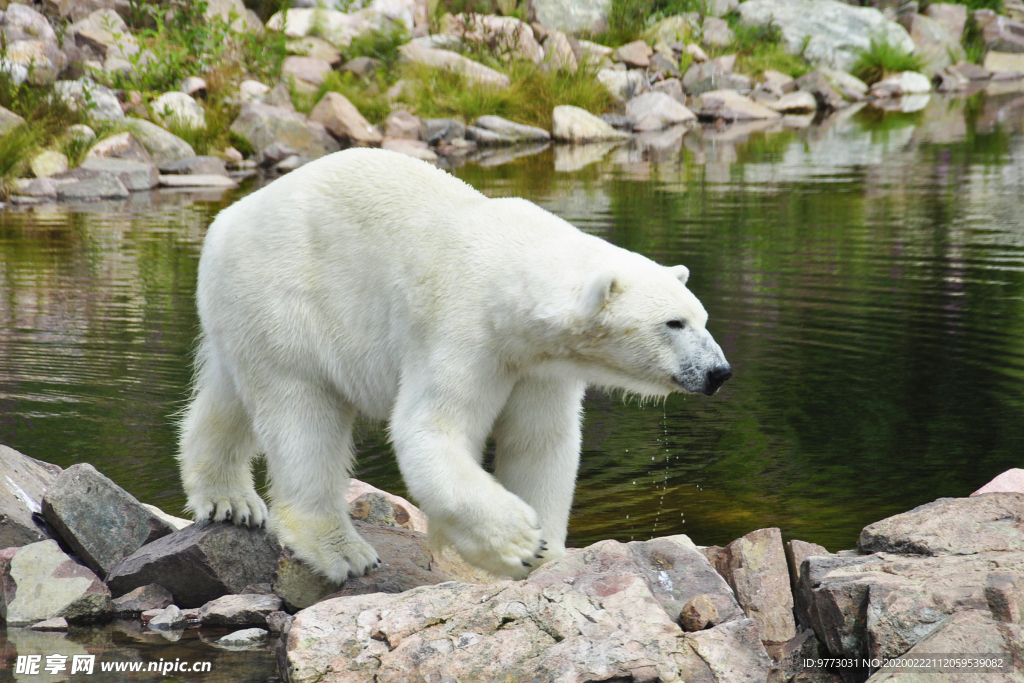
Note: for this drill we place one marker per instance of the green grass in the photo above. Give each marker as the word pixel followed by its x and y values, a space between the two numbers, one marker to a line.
pixel 882 59
pixel 380 45
pixel 627 19
pixel 994 5
pixel 760 48
pixel 16 148
pixel 973 42
pixel 530 98
pixel 366 96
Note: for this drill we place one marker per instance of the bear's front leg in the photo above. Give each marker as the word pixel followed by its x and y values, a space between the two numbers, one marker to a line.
pixel 537 452
pixel 439 436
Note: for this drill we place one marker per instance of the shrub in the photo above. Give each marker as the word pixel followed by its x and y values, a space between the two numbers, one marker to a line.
pixel 882 59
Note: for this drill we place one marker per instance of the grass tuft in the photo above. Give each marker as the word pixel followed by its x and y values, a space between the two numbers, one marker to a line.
pixel 883 59
pixel 760 48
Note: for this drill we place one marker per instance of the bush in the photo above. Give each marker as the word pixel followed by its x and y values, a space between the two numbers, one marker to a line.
pixel 882 59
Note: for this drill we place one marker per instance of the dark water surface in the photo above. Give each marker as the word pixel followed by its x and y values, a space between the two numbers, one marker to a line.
pixel 865 277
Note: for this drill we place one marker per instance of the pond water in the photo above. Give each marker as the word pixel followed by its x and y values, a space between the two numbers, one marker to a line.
pixel 864 275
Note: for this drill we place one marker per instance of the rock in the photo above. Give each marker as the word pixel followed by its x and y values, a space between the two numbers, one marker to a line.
pixel 719 8
pixel 194 85
pixel 963 632
pixel 1005 61
pixel 252 91
pixel 176 109
pixel 436 130
pixel 906 83
pixel 143 599
pixel 9 121
pixel 558 53
pixel 824 88
pixel 951 526
pixel 716 33
pixel 298 584
pixel 801 102
pixel 755 566
pixel 635 55
pixel 672 87
pixel 413 148
pixel 951 80
pixel 572 16
pixel 361 66
pixel 119 146
pixel 95 188
pixel 698 55
pixel 135 176
pixel 707 76
pixel 279 622
pixel 934 43
pixel 318 48
pixel 778 83
pixel 624 85
pixel 456 63
pixel 343 120
pixel 698 613
pixel 99 100
pixel 1000 33
pixel 482 137
pixel 572 124
pixel 592 615
pixel 675 30
pixel 1004 594
pixel 98 519
pixel 245 638
pixel 274 154
pixel 164 147
pixel 664 65
pixel 197 180
pixel 262 125
pixel 40 582
pixel 337 28
pixel 199 563
pixel 506 37
pixel 105 32
pixel 517 132
pixel 205 165
pixel 953 17
pixel 23 20
pixel 239 610
pixel 731 106
pixel 24 482
pixel 57 624
pixel 43 188
pixel 656 110
pixel 308 70
pixel 36 58
pixel 235 14
pixel 796 553
pixel 880 605
pixel 169 619
pixel 1010 481
pixel 594 54
pixel 402 124
pixel 834 31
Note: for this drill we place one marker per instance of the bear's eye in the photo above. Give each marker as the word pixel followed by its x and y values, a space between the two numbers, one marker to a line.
pixel 675 324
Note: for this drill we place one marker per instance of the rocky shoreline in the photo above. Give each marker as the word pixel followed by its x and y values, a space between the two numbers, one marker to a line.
pixel 684 73
pixel 946 577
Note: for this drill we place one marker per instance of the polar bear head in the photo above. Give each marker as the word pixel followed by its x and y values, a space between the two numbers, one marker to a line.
pixel 640 329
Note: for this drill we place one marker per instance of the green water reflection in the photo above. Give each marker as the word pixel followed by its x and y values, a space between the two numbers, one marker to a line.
pixel 864 276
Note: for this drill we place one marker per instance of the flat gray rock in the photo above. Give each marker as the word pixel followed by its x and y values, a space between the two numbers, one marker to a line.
pixel 262 125
pixel 951 526
pixel 245 638
pixel 169 619
pixel 40 582
pixel 101 186
pixel 197 180
pixel 143 599
pixel 163 146
pixel 200 563
pixel 205 165
pixel 239 610
pixel 135 175
pixel 517 131
pixel 23 481
pixel 98 519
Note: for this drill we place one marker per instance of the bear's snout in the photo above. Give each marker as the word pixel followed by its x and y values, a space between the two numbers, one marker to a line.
pixel 716 378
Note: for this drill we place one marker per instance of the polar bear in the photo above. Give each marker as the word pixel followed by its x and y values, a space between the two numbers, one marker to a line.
pixel 367 282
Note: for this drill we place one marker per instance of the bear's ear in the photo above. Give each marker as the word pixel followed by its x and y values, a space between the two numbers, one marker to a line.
pixel 597 290
pixel 681 272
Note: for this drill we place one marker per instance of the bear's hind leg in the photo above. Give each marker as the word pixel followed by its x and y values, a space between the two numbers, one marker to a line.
pixel 306 433
pixel 216 447
pixel 537 439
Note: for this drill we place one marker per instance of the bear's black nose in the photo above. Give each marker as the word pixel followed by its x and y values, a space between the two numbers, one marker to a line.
pixel 717 377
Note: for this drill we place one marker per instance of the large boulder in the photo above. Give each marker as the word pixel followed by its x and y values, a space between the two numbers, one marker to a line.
pixel 262 125
pixel 934 43
pixel 953 17
pixel 239 610
pixel 951 526
pixel 572 15
pixel 199 563
pixel 1010 481
pixel 606 612
pixel 504 36
pixel 572 124
pixel 447 60
pixel 756 569
pixel 99 101
pixel 24 482
pixel 98 519
pixel 825 31
pixel 178 109
pixel 9 121
pixel 1000 33
pixel 731 106
pixel 833 88
pixel 105 32
pixel 515 132
pixel 656 110
pixel 163 146
pixel 624 85
pixel 40 582
pixel 341 118
pixel 338 28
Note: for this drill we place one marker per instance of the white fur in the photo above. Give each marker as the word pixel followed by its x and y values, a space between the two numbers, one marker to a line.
pixel 369 282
